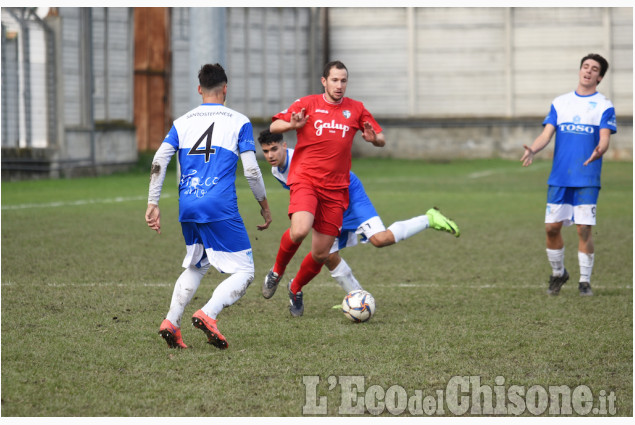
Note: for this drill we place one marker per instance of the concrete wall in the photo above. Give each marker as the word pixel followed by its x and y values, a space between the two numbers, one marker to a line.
pixel 475 62
pixel 473 82
pixel 465 138
pixel 445 140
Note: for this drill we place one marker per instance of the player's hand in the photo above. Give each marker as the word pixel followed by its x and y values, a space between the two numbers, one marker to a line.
pixel 597 153
pixel 298 119
pixel 369 132
pixel 266 214
pixel 528 156
pixel 153 217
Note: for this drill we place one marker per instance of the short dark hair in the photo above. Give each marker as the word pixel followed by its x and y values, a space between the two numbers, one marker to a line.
pixel 332 64
pixel 212 76
pixel 604 64
pixel 266 137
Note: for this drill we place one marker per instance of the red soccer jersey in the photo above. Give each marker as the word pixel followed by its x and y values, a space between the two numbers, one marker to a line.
pixel 323 149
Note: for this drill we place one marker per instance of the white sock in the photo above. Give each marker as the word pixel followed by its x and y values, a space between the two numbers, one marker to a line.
pixel 404 229
pixel 228 292
pixel 556 259
pixel 344 276
pixel 184 289
pixel 586 266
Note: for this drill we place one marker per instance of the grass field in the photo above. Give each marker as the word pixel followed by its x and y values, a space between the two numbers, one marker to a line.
pixel 85 285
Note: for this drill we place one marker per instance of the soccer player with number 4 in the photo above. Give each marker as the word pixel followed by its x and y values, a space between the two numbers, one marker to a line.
pixel 583 121
pixel 209 140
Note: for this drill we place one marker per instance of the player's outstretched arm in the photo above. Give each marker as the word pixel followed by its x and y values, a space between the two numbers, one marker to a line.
pixel 601 148
pixel 298 120
pixel 539 144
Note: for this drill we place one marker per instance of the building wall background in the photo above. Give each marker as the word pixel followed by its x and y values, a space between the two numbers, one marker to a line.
pixel 444 82
pixel 463 82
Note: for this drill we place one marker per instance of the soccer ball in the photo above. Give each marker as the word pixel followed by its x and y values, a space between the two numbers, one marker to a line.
pixel 358 305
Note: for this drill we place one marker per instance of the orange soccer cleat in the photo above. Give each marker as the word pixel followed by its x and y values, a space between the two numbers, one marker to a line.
pixel 205 323
pixel 171 334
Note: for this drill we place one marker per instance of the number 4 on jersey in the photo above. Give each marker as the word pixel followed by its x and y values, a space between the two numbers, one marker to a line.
pixel 208 150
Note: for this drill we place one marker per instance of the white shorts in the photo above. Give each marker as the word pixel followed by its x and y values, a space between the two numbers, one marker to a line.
pixel 223 244
pixel 569 205
pixel 367 229
pixel 569 214
pixel 225 262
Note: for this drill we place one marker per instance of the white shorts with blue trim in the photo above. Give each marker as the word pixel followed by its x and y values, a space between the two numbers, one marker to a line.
pixel 349 238
pixel 572 205
pixel 223 244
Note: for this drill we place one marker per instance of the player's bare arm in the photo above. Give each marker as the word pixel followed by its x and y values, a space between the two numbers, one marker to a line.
pixel 153 217
pixel 602 147
pixel 298 120
pixel 369 134
pixel 539 144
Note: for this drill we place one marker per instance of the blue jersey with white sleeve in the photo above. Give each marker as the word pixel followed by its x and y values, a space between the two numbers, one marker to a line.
pixel 360 208
pixel 209 140
pixel 578 120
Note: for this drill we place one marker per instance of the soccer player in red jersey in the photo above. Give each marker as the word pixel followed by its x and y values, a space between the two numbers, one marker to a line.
pixel 319 175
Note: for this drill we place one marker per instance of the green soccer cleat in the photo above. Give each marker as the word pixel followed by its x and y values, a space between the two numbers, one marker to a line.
pixel 440 222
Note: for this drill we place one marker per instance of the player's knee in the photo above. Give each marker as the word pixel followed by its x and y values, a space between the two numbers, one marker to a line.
pixel 553 229
pixel 320 257
pixel 297 235
pixel 332 261
pixel 382 239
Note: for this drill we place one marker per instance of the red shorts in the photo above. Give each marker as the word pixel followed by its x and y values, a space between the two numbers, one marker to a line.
pixel 327 206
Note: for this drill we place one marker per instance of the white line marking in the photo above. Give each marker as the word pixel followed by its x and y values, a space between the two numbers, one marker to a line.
pixel 331 284
pixel 80 202
pixel 486 173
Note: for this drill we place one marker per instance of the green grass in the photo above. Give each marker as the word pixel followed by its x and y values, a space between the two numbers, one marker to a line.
pixel 85 286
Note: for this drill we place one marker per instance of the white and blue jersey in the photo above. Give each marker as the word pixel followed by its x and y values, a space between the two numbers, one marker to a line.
pixel 282 173
pixel 358 215
pixel 578 120
pixel 209 140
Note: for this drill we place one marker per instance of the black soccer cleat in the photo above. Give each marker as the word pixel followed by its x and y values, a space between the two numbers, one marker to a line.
pixel 270 284
pixel 296 306
pixel 556 282
pixel 585 289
